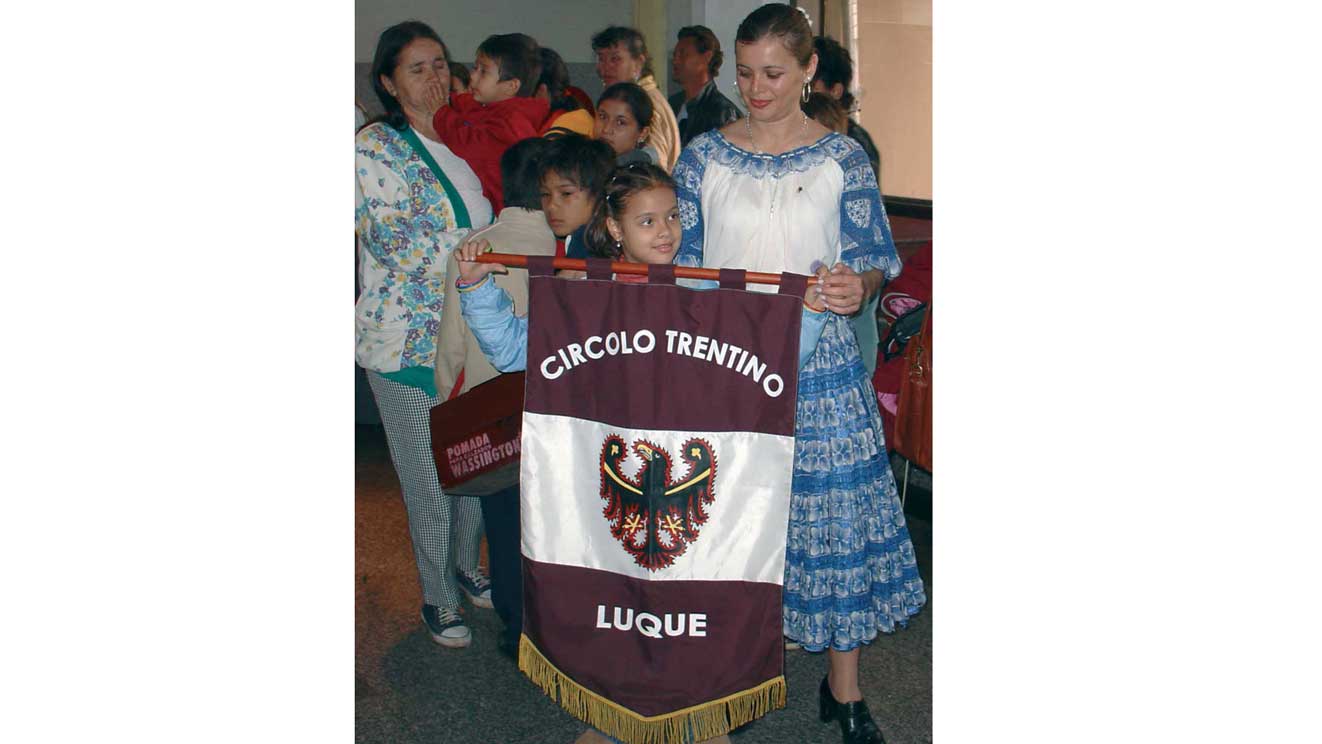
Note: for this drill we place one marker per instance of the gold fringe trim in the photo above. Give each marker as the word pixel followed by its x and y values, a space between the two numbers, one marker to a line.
pixel 708 720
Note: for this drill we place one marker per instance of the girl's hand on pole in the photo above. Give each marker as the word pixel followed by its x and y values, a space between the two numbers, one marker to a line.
pixel 470 271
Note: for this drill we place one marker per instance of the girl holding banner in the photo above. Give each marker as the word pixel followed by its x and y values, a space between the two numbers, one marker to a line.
pixel 637 220
pixel 850 567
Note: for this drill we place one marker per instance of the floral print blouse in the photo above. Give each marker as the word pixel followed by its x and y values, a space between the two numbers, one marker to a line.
pixel 406 229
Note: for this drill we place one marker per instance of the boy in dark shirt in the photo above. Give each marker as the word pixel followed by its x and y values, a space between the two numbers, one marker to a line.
pixel 574 170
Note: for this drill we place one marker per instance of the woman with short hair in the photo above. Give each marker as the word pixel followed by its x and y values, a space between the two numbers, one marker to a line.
pixel 622 58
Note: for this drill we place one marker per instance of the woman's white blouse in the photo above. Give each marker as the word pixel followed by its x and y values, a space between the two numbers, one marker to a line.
pixel 784 212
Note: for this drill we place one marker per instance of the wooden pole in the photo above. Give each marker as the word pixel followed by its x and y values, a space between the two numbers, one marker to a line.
pixel 625 267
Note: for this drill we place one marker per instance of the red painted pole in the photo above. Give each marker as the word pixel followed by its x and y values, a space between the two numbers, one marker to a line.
pixel 625 267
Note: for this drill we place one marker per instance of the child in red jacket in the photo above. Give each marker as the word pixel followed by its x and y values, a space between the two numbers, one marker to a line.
pixel 498 110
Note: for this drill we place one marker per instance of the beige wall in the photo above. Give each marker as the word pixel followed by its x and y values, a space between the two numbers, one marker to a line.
pixel 835 21
pixel 650 19
pixel 894 73
pixel 564 25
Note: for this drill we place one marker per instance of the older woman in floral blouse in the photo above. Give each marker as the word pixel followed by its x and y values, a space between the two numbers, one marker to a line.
pixel 415 201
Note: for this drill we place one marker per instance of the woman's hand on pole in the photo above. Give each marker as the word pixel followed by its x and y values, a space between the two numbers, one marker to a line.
pixel 843 290
pixel 812 297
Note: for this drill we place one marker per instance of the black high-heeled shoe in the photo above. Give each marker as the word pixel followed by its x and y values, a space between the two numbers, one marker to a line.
pixel 856 724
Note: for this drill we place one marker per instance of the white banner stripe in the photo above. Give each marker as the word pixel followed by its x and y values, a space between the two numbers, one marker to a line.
pixel 562 508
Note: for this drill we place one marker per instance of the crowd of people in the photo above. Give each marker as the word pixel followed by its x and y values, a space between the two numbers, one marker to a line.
pixel 511 157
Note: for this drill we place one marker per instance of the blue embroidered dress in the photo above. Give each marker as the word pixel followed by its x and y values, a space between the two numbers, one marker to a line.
pixel 850 570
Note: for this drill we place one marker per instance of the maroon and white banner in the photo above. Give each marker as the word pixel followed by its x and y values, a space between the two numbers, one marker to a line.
pixel 658 442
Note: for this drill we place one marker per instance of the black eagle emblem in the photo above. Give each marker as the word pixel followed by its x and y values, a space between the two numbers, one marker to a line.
pixel 654 517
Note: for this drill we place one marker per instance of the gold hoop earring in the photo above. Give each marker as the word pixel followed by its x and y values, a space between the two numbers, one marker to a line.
pixel 807 89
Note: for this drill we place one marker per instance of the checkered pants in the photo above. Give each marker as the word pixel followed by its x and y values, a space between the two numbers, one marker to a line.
pixel 435 520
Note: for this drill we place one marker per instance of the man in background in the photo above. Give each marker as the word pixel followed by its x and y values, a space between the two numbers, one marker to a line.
pixel 699 106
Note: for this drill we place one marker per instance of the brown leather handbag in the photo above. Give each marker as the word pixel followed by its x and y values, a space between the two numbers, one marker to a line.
pixel 913 416
pixel 475 437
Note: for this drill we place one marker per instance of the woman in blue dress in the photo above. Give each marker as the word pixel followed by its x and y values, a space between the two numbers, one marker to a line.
pixel 776 191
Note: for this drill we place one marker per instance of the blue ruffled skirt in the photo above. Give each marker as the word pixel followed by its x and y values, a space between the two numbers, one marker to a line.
pixel 850 570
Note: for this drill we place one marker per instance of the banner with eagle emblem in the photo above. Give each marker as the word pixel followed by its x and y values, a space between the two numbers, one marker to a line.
pixel 658 442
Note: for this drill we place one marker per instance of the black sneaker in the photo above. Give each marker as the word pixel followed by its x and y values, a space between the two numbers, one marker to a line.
pixel 477 586
pixel 446 627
